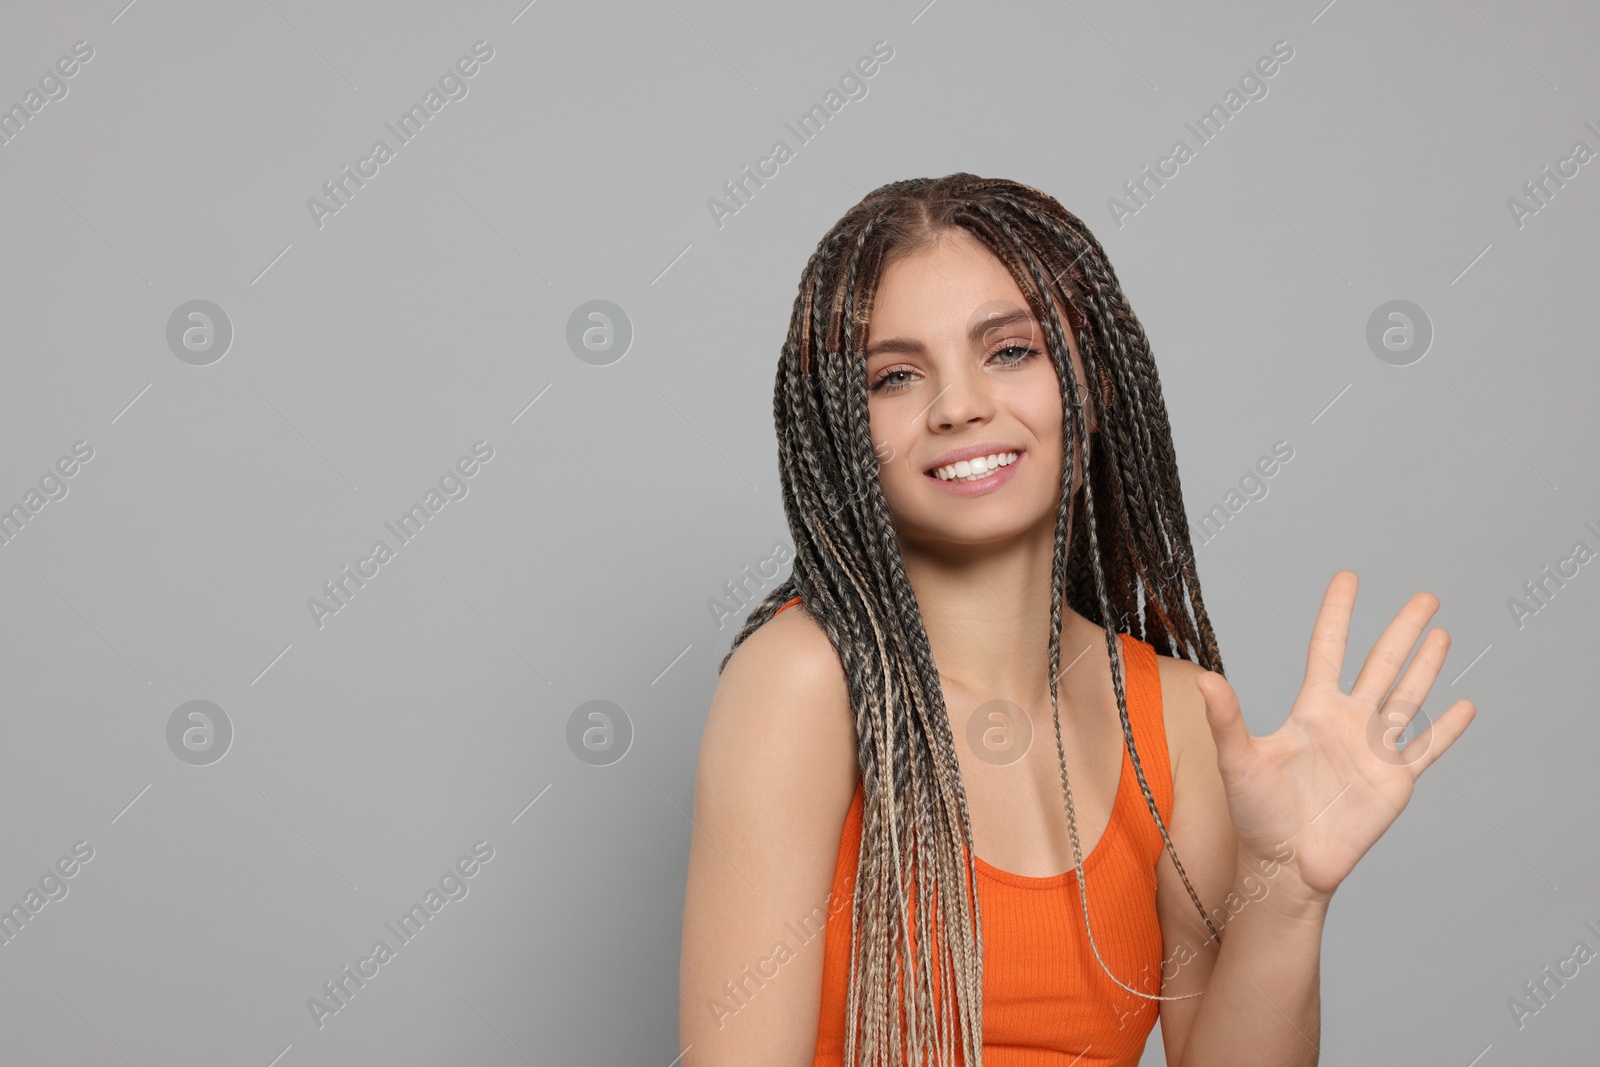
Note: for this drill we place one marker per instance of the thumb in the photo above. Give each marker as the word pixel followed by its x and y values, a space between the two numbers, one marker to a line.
pixel 1234 749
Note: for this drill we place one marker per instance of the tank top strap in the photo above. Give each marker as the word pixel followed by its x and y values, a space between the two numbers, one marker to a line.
pixel 788 603
pixel 1147 717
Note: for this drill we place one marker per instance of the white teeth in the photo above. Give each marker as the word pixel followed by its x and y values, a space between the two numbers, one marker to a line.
pixel 975 468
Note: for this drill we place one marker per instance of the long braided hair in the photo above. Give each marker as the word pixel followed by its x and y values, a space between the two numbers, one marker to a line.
pixel 1128 561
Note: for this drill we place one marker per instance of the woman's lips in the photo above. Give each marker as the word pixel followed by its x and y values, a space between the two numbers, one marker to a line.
pixel 979 486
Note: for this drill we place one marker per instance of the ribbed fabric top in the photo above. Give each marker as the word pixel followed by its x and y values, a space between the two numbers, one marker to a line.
pixel 1045 999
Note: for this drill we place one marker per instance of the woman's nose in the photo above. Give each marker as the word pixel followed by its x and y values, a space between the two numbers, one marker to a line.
pixel 962 398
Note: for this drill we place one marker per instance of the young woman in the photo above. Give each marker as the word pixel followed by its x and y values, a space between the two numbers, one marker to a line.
pixel 994 583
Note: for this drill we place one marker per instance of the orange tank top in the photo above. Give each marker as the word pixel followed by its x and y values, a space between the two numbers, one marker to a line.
pixel 1045 999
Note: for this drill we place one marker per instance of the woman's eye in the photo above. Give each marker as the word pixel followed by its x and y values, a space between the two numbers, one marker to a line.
pixel 893 381
pixel 1024 353
pixel 887 384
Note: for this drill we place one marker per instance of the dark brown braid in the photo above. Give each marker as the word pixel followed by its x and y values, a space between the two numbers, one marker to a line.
pixel 1122 559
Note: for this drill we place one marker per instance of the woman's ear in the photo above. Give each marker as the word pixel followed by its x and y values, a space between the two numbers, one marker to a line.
pixel 1093 401
pixel 1092 404
pixel 1100 403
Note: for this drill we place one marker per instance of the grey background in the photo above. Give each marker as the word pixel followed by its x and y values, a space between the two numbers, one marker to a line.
pixel 431 312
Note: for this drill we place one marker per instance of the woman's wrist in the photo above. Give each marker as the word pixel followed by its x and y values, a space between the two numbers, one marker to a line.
pixel 1275 882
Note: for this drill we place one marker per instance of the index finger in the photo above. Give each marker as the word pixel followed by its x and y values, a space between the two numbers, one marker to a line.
pixel 1325 657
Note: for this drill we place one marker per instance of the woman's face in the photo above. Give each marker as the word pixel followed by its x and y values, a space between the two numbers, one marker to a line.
pixel 957 367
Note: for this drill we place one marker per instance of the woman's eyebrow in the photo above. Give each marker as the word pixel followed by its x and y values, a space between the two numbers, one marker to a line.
pixel 974 333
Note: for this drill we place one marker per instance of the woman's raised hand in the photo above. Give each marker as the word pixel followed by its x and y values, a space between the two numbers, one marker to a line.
pixel 1331 779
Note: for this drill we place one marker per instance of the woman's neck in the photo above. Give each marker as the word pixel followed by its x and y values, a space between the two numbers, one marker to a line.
pixel 987 613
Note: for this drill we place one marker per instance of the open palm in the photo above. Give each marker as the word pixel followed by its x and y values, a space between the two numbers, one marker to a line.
pixel 1331 779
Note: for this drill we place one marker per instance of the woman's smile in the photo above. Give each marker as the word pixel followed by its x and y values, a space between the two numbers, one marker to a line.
pixel 968 481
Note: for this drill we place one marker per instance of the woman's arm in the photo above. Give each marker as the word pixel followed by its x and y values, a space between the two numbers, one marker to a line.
pixel 1266 945
pixel 1268 827
pixel 774 781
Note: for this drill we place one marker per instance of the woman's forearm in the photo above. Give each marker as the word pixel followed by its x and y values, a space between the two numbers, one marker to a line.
pixel 1262 1002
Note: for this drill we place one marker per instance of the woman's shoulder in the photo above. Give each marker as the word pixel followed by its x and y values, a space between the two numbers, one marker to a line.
pixel 1183 713
pixel 781 717
pixel 793 649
